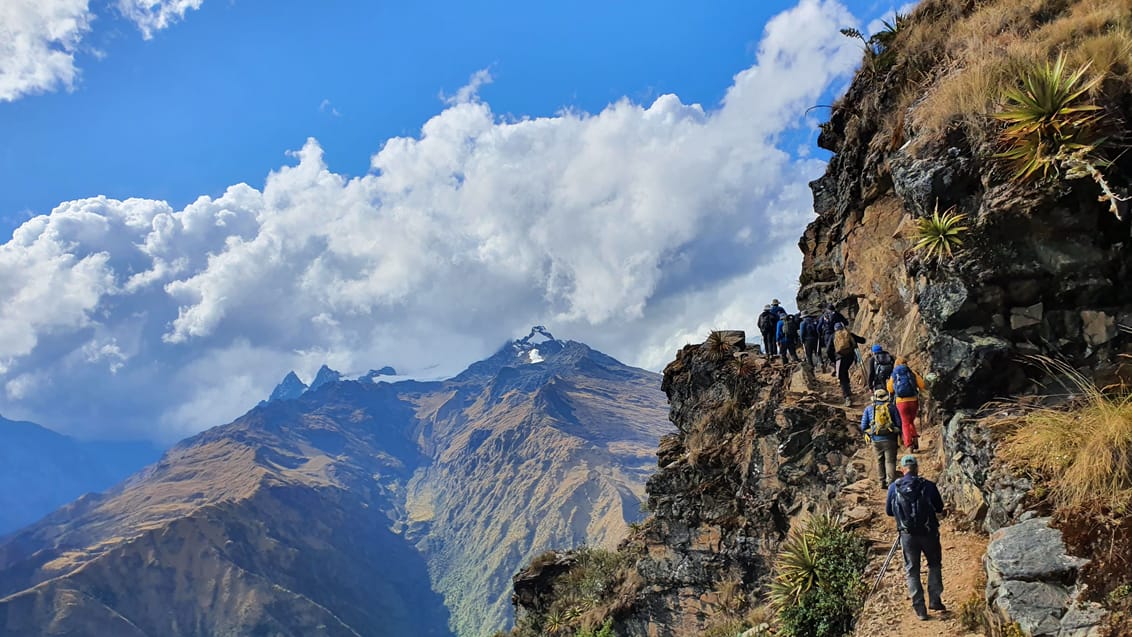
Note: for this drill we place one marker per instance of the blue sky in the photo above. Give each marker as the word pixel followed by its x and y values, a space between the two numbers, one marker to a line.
pixel 204 194
pixel 218 98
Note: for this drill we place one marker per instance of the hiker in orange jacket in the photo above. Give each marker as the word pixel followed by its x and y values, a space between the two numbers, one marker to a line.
pixel 906 385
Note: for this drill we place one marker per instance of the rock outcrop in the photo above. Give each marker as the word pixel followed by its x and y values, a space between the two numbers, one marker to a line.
pixel 746 459
pixel 1031 582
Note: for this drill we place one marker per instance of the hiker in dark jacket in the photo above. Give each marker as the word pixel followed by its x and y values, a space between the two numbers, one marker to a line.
pixel 766 323
pixel 914 502
pixel 880 368
pixel 844 346
pixel 880 423
pixel 778 310
pixel 786 333
pixel 829 318
pixel 808 332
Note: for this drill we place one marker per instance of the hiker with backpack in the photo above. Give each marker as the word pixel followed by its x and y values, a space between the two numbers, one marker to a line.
pixel 881 364
pixel 906 384
pixel 766 324
pixel 786 333
pixel 778 310
pixel 845 347
pixel 880 423
pixel 808 332
pixel 829 318
pixel 914 502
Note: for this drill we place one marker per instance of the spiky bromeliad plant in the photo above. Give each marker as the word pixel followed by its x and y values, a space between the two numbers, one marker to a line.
pixel 817 588
pixel 940 235
pixel 1048 116
pixel 1052 126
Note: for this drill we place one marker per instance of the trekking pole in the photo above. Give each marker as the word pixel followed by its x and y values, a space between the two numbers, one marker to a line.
pixel 861 367
pixel 884 567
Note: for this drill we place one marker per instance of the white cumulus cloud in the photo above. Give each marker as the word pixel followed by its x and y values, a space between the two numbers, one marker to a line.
pixel 152 16
pixel 633 229
pixel 40 38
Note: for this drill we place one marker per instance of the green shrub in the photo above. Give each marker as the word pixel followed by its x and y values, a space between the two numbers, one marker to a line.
pixel 972 613
pixel 818 587
pixel 606 630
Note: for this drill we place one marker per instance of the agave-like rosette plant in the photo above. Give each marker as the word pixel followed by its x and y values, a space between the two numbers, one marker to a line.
pixel 940 235
pixel 797 570
pixel 1048 117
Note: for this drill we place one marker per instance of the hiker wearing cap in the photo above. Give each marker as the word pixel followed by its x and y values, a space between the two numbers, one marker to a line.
pixel 808 331
pixel 880 368
pixel 766 323
pixel 906 384
pixel 881 423
pixel 915 502
pixel 845 347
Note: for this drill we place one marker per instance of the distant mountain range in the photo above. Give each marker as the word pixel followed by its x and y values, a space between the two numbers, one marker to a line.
pixel 41 470
pixel 352 507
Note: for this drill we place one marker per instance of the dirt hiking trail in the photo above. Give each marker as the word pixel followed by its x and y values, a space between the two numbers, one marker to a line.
pixel 889 611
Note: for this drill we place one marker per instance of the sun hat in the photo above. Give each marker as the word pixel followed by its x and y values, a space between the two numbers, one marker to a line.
pixel 880 394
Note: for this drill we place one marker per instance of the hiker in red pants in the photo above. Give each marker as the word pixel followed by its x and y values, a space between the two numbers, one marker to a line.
pixel 906 384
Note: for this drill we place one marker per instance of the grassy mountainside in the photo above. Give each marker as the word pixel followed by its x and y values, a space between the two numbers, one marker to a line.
pixel 341 512
pixel 41 470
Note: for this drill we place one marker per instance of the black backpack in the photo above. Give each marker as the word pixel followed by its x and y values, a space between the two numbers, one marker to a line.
pixel 766 321
pixel 789 327
pixel 809 328
pixel 883 364
pixel 913 508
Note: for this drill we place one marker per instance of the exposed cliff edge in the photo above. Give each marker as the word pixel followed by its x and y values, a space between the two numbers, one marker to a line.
pixel 1045 270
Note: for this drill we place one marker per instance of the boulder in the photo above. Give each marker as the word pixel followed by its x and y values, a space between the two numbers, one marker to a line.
pixel 1082 620
pixel 1098 327
pixel 1023 317
pixel 1037 607
pixel 1031 551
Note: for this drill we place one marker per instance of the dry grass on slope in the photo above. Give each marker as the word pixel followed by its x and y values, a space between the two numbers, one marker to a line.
pixel 956 58
pixel 1082 451
pixel 1080 456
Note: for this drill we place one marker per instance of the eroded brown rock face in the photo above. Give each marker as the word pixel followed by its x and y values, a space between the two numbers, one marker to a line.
pixel 357 509
pixel 1042 273
pixel 747 457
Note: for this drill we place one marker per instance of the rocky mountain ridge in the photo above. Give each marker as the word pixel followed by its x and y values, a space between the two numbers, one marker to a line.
pixel 41 470
pixel 354 509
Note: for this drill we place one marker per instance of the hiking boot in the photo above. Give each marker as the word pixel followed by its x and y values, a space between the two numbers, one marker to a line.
pixel 916 444
pixel 938 606
pixel 883 485
pixel 922 614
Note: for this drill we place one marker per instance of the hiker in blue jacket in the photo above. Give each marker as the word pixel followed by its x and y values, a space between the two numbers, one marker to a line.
pixel 881 425
pixel 786 334
pixel 914 502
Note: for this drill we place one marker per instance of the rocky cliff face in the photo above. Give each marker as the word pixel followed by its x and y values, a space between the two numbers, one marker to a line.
pixel 356 509
pixel 747 457
pixel 1046 270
